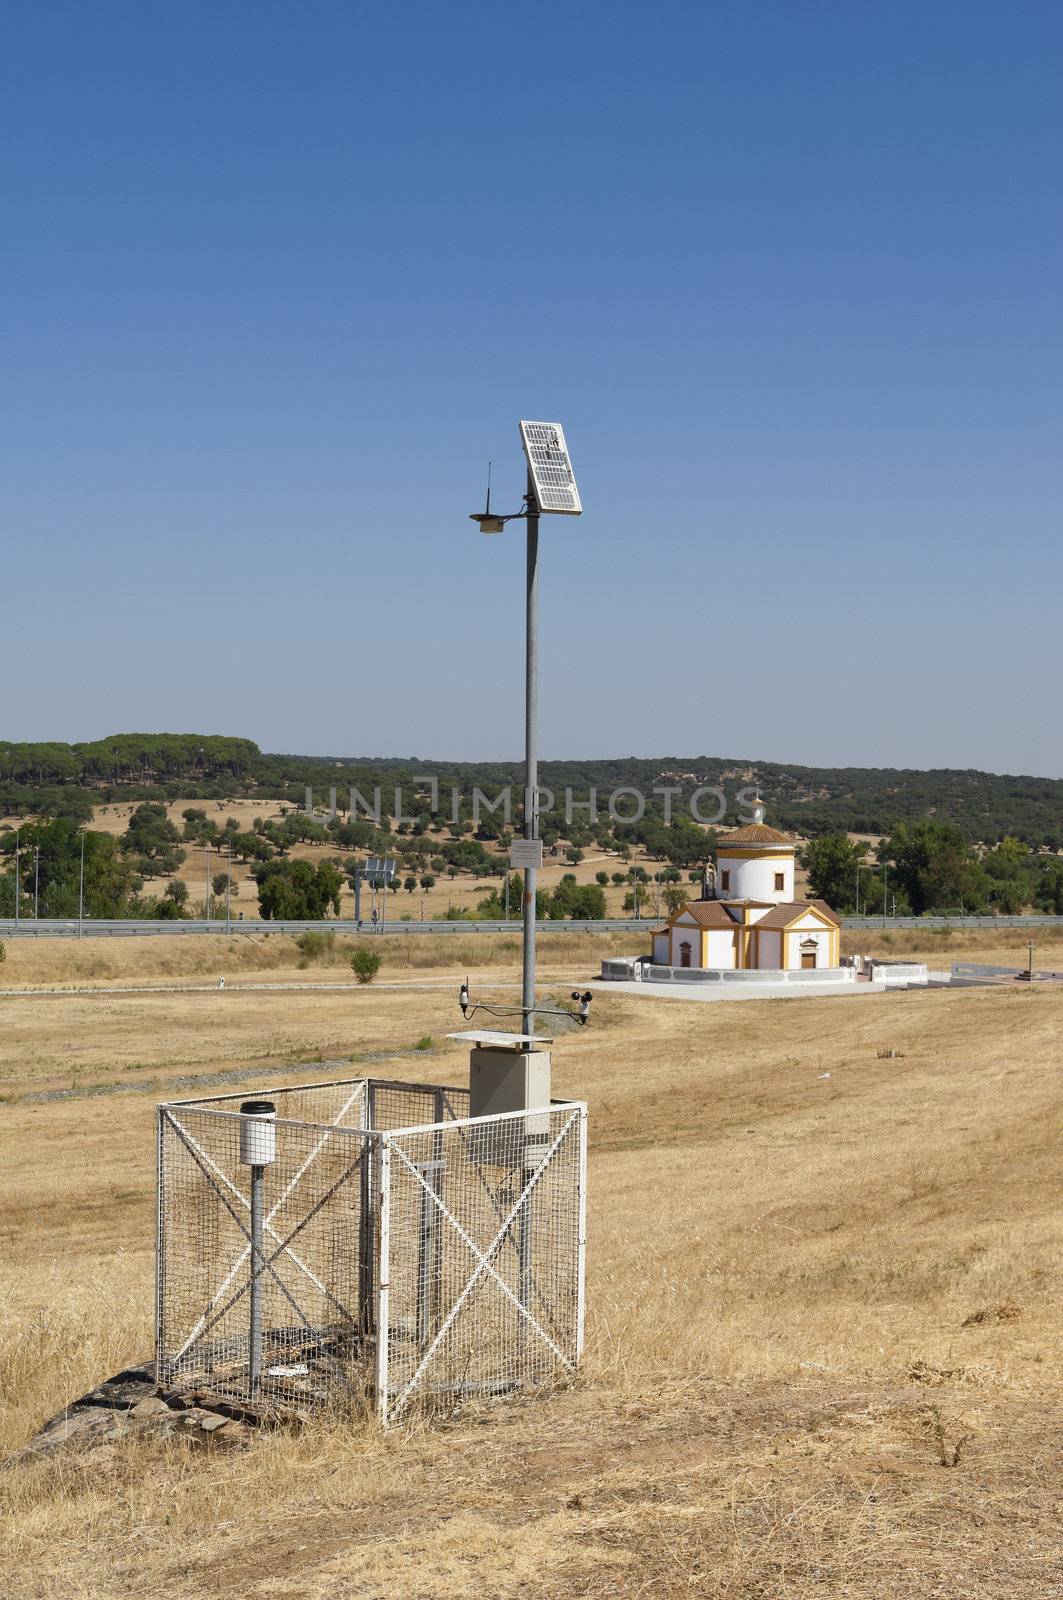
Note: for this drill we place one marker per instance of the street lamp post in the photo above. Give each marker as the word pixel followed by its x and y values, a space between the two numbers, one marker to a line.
pixel 551 488
pixel 81 887
pixel 36 879
pixel 18 875
pixel 531 753
pixel 228 888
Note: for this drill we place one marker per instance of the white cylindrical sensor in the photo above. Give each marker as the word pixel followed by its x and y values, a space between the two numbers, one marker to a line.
pixel 258 1133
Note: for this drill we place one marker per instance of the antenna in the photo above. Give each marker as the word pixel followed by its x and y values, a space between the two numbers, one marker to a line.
pixel 488 523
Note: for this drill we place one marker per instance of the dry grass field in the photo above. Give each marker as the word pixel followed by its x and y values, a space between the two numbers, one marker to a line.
pixel 824 1314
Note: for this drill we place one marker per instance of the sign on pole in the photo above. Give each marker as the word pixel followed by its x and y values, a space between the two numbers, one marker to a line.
pixel 524 853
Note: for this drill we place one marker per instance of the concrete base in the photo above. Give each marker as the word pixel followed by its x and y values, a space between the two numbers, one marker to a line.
pixel 723 992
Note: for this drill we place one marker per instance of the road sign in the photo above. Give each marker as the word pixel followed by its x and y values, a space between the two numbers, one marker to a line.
pixel 551 469
pixel 525 853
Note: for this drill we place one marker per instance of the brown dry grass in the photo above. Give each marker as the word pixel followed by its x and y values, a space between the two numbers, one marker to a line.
pixel 823 1338
pixel 43 963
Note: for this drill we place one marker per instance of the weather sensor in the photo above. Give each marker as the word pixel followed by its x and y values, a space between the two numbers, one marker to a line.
pixel 488 523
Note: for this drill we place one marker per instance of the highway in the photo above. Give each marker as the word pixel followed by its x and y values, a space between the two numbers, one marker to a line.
pixel 70 928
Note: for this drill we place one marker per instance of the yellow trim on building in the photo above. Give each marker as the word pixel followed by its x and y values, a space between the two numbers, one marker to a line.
pixel 804 911
pixel 751 853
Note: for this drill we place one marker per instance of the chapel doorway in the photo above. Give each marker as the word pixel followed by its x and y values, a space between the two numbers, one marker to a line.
pixel 684 953
pixel 808 958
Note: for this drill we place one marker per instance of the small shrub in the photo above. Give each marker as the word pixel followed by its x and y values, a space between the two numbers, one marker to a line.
pixel 315 946
pixel 365 964
pixel 425 1042
pixel 3 952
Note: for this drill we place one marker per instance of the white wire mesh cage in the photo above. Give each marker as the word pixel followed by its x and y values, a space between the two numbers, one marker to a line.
pixel 386 1250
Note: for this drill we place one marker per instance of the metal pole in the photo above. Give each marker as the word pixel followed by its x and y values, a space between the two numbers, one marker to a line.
pixel 885 901
pixel 858 891
pixel 206 902
pixel 255 1351
pixel 581 1242
pixel 383 1274
pixel 18 875
pixel 524 1250
pixel 228 888
pixel 36 879
pixel 426 1251
pixel 531 752
pixel 81 887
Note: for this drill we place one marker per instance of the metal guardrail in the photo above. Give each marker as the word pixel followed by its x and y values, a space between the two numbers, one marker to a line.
pixel 65 928
pixel 69 928
pixel 1034 920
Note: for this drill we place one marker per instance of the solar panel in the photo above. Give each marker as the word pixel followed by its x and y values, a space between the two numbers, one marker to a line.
pixel 378 871
pixel 551 469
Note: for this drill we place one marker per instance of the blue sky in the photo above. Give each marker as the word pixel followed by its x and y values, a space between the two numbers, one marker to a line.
pixel 278 279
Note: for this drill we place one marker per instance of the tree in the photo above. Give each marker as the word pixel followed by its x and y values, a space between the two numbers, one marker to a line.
pixel 199 829
pixel 675 898
pixel 172 905
pixel 297 891
pixel 111 880
pixel 428 881
pixel 601 878
pixel 1048 889
pixel 931 863
pixel 250 847
pixel 150 832
pixel 580 902
pixel 831 861
pixel 409 884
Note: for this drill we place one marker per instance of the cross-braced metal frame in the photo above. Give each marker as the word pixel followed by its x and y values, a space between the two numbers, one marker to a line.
pixel 419 1263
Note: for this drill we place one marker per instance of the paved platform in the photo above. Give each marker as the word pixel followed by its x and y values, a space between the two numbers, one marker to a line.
pixel 723 992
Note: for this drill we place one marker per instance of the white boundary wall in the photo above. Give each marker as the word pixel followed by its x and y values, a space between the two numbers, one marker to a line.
pixel 842 976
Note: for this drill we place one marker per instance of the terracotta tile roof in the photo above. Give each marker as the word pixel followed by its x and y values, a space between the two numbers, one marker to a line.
pixel 828 911
pixel 779 916
pixel 756 833
pixel 708 914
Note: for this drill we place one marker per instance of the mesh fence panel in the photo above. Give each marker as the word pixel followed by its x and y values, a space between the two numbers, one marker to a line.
pixel 484 1258
pixel 407 1105
pixel 314 1288
pixel 404 1268
pixel 344 1104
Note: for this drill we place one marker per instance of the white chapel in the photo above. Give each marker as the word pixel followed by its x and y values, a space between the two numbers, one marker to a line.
pixel 747 916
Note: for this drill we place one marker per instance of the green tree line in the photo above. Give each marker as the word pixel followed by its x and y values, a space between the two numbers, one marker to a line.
pixel 928 866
